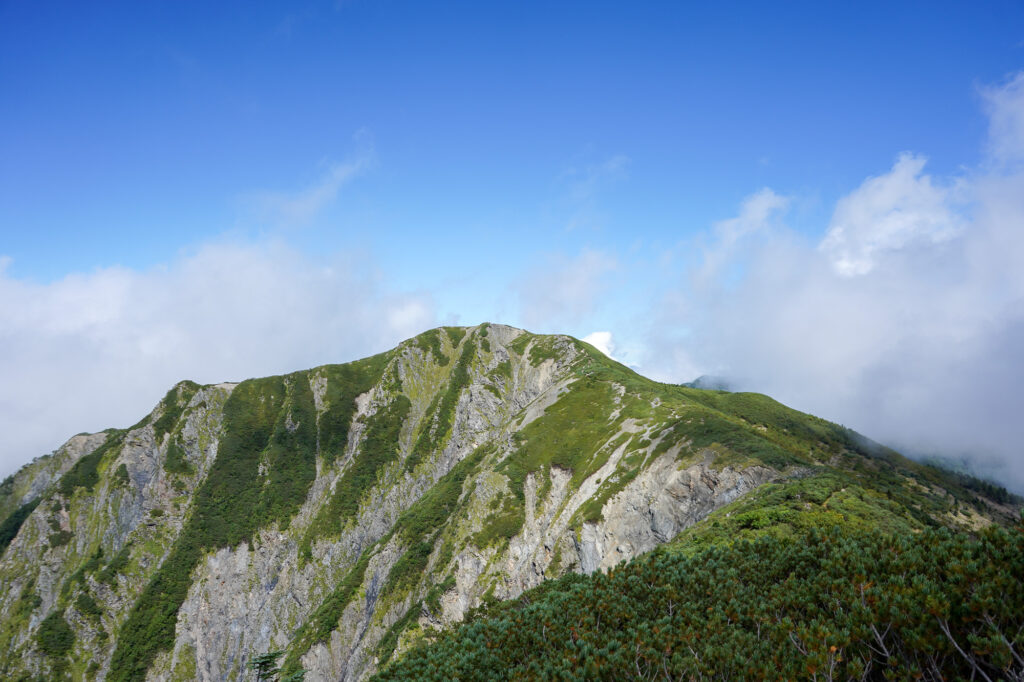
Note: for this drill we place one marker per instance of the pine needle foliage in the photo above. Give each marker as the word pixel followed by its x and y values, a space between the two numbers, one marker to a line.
pixel 826 605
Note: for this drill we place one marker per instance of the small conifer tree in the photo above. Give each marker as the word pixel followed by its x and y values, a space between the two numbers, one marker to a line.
pixel 265 665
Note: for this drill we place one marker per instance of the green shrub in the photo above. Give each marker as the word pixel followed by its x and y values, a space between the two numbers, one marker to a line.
pixel 87 606
pixel 55 637
pixel 175 462
pixel 837 604
pixel 85 472
pixel 173 405
pixel 455 334
pixel 12 524
pixel 430 342
pixel 60 538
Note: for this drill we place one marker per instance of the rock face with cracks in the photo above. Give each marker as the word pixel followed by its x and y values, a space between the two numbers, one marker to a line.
pixel 345 513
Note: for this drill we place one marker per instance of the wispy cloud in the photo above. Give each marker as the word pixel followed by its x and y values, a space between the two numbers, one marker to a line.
pixel 300 207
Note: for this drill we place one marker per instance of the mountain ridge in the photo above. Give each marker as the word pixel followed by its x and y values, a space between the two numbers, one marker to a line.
pixel 345 511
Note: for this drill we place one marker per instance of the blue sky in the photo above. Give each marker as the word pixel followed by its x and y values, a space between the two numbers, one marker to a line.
pixel 133 130
pixel 371 168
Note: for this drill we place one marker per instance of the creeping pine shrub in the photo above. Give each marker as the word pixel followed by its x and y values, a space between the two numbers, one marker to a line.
pixel 833 605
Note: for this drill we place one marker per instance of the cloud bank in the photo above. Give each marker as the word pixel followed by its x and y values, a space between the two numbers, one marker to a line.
pixel 905 322
pixel 100 349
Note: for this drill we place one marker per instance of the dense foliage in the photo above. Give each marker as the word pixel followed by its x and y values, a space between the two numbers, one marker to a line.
pixel 12 524
pixel 829 605
pixel 55 637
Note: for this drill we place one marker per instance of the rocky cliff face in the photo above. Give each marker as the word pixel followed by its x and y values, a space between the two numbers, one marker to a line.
pixel 343 513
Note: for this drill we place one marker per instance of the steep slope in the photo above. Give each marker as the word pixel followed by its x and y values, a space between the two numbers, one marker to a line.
pixel 345 512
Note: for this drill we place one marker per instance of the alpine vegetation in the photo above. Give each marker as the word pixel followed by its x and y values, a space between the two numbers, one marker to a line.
pixel 483 502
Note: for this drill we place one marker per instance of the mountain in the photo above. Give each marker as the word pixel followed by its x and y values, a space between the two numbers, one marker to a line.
pixel 346 513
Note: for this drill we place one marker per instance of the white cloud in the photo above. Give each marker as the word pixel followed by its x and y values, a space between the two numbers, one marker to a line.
pixel 888 213
pixel 602 341
pixel 99 349
pixel 906 322
pixel 563 291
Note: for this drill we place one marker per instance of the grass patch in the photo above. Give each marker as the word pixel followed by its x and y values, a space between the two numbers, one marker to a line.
pixel 568 436
pixel 503 370
pixel 545 348
pixel 503 525
pixel 518 345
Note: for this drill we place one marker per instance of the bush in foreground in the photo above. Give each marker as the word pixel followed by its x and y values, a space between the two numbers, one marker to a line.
pixel 830 605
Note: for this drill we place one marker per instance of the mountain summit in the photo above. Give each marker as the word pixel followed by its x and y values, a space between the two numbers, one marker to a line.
pixel 341 514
